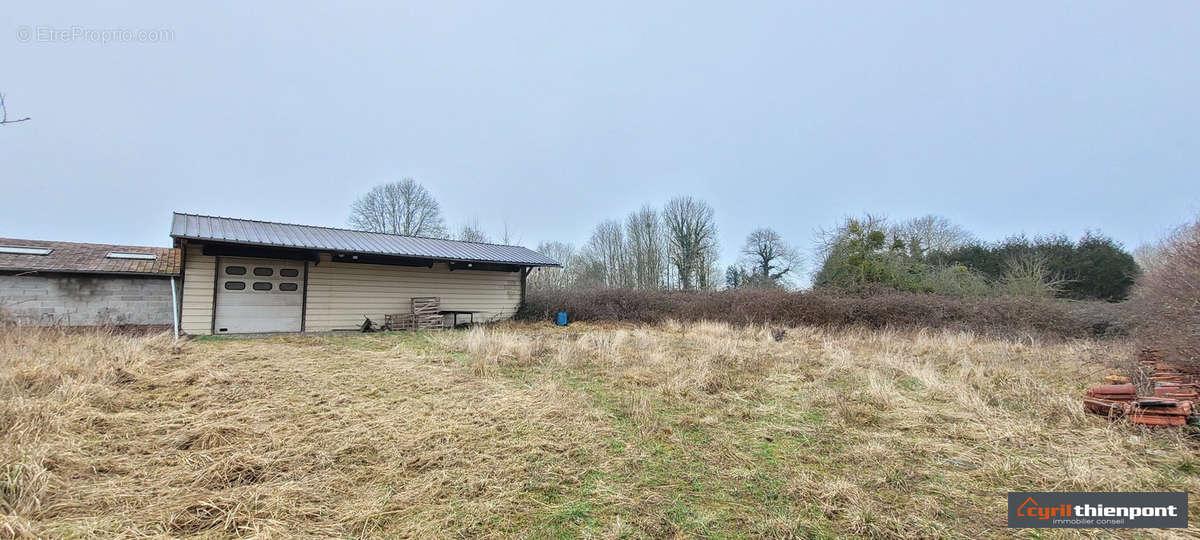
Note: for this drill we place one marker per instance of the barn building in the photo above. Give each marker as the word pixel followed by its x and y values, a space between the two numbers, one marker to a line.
pixel 246 276
pixel 74 284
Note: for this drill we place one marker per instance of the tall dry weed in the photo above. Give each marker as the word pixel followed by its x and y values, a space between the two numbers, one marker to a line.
pixel 703 357
pixel 674 430
pixel 52 385
pixel 108 434
pixel 493 349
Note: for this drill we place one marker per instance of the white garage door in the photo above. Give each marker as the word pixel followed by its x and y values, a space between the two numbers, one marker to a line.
pixel 258 295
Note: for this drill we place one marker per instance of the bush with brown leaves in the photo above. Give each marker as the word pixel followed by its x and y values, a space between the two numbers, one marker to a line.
pixel 874 309
pixel 1166 299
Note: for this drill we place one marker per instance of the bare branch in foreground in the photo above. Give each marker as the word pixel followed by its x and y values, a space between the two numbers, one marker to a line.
pixel 4 114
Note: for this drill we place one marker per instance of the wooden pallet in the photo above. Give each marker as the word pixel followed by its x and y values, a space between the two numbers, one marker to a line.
pixel 426 312
pixel 398 321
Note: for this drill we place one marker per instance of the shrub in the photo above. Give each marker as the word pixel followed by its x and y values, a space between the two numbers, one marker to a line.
pixel 1166 300
pixel 1100 268
pixel 1029 274
pixel 900 272
pixel 872 308
pixel 958 281
pixel 1095 267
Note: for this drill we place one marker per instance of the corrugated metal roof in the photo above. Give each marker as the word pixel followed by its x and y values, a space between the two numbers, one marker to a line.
pixel 79 258
pixel 266 233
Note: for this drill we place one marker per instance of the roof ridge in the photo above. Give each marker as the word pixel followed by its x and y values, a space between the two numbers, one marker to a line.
pixel 5 242
pixel 348 230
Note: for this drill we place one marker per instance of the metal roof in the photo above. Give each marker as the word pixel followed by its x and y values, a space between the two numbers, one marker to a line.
pixel 79 258
pixel 287 235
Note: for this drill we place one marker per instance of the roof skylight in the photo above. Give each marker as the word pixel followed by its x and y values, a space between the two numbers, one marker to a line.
pixel 126 255
pixel 25 250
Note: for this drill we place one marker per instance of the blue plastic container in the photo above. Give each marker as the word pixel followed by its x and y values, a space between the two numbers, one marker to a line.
pixel 562 318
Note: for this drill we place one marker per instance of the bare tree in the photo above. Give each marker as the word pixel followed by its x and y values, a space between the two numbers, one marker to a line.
pixel 1147 255
pixel 646 248
pixel 650 250
pixel 4 113
pixel 931 233
pixel 1163 308
pixel 1029 274
pixel 692 231
pixel 508 236
pixel 555 278
pixel 1151 255
pixel 403 207
pixel 606 258
pixel 472 232
pixel 709 276
pixel 769 257
pixel 588 272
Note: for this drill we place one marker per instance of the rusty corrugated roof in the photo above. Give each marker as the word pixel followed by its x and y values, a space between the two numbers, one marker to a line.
pixel 287 235
pixel 81 258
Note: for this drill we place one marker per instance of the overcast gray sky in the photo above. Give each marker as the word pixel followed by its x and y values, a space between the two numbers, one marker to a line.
pixel 1028 117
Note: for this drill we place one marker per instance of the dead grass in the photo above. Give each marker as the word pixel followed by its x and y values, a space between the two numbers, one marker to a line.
pixel 696 429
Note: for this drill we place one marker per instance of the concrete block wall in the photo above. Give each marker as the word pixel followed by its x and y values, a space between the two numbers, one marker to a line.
pixel 86 300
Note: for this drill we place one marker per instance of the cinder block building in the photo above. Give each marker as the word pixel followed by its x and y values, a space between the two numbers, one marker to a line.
pixel 77 284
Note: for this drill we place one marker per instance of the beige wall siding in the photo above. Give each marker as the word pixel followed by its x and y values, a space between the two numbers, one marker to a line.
pixel 340 294
pixel 197 309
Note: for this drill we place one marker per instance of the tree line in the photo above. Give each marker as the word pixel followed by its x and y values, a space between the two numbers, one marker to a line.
pixel 932 255
pixel 673 247
pixel 670 248
pixel 676 247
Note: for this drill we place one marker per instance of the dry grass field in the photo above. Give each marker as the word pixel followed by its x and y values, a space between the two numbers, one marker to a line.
pixel 674 430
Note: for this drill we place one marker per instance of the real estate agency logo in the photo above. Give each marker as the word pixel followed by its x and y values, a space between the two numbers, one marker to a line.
pixel 1031 509
pixel 1097 510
